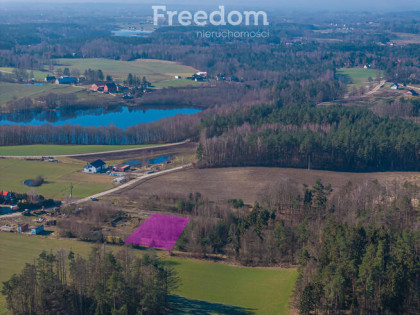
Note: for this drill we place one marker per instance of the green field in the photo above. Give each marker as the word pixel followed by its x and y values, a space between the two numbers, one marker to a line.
pixel 263 291
pixel 175 83
pixel 358 76
pixel 154 70
pixel 15 91
pixel 53 149
pixel 58 177
pixel 37 75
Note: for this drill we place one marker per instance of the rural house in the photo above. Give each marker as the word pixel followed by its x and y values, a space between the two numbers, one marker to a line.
pixel 5 195
pixel 104 87
pixel 95 167
pixel 50 79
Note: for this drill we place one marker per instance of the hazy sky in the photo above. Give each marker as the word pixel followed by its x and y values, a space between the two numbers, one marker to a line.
pixel 353 5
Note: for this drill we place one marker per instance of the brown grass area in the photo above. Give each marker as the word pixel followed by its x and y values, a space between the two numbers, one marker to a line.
pixel 221 184
pixel 140 154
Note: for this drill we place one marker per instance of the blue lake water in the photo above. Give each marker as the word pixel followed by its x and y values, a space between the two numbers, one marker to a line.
pixel 121 117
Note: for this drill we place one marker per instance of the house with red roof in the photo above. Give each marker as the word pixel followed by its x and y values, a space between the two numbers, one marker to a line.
pixel 5 195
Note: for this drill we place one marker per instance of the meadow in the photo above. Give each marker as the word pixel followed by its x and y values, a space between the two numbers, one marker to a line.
pixel 58 177
pixel 154 70
pixel 204 285
pixel 247 183
pixel 15 91
pixel 56 149
pixel 358 76
pixel 37 75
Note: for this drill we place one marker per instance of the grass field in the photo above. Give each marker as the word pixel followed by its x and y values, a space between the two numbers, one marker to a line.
pixel 58 177
pixel 14 91
pixel 45 150
pixel 204 285
pixel 358 76
pixel 37 75
pixel 175 83
pixel 221 184
pixel 154 70
pixel 263 291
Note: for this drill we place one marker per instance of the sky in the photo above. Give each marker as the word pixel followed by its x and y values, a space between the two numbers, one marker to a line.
pixel 332 5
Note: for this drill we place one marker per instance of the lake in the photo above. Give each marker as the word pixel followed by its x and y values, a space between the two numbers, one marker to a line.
pixel 131 33
pixel 122 116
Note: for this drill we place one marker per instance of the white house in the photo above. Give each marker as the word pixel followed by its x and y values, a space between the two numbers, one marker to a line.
pixel 395 86
pixel 95 166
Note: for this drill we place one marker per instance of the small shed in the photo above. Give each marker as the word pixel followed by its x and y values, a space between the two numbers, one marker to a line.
pixel 22 228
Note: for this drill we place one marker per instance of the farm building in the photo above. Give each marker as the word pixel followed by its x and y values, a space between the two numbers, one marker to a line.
pixel 66 80
pixel 121 168
pixel 50 79
pixel 177 77
pixel 395 86
pixel 95 167
pixel 109 87
pixel 121 88
pixel 37 229
pixel 5 195
pixel 22 228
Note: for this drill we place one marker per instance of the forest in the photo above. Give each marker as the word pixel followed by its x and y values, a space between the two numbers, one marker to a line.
pixel 103 283
pixel 333 138
pixel 357 249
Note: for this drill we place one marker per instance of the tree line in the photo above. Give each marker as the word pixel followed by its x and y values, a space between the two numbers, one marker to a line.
pixel 103 283
pixel 334 138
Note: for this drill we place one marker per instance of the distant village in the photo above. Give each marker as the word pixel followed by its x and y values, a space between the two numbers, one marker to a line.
pixel 132 87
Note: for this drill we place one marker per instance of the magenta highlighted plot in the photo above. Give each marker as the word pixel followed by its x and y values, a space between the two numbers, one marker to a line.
pixel 160 231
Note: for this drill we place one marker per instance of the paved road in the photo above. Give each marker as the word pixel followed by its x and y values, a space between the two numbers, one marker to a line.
pixel 95 153
pixel 134 181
